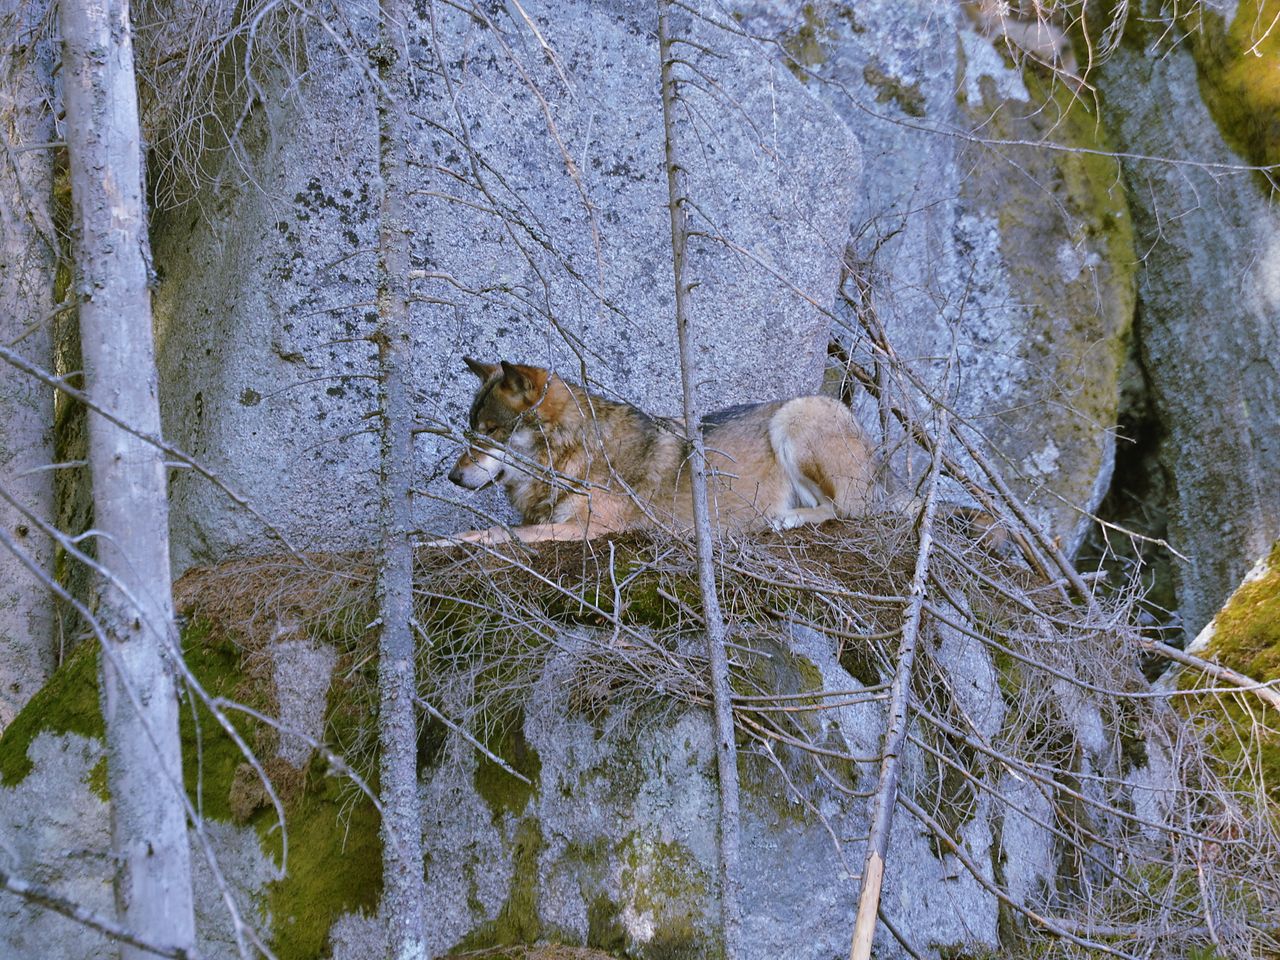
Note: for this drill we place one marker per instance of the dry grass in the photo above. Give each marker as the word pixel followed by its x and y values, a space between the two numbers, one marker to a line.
pixel 1136 871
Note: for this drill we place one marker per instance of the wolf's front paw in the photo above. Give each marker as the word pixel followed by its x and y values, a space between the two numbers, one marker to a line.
pixel 489 537
pixel 786 521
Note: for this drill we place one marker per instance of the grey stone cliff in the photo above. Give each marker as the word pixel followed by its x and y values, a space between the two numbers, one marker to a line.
pixel 1209 325
pixel 542 236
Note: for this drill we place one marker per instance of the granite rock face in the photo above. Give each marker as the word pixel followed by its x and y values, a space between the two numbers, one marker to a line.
pixel 1209 324
pixel 971 237
pixel 612 843
pixel 28 256
pixel 55 831
pixel 615 845
pixel 542 235
pixel 52 811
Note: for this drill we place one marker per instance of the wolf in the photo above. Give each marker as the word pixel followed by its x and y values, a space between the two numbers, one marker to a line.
pixel 578 465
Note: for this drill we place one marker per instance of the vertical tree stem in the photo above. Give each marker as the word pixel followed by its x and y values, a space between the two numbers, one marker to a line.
pixel 144 753
pixel 886 793
pixel 726 747
pixel 403 880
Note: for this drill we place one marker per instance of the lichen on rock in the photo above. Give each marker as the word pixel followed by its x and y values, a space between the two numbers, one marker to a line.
pixel 1236 54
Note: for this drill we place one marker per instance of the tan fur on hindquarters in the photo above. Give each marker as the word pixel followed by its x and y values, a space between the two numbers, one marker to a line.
pixel 577 465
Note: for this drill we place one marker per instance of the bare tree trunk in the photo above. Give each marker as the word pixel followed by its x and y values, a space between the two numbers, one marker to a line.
pixel 886 794
pixel 726 746
pixel 28 259
pixel 403 878
pixel 135 608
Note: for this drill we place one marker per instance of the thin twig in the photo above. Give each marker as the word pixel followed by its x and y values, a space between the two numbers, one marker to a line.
pixel 44 897
pixel 493 757
pixel 896 732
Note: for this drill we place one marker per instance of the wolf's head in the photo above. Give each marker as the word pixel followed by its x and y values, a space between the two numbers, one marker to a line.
pixel 503 417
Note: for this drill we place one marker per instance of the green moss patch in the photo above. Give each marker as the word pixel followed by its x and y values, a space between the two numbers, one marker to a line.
pixel 97 780
pixel 669 884
pixel 68 703
pixel 773 669
pixel 334 866
pixel 889 89
pixel 518 920
pixel 1246 638
pixel 1246 633
pixel 604 924
pixel 334 857
pixel 500 790
pixel 1239 77
pixel 810 40
pixel 211 758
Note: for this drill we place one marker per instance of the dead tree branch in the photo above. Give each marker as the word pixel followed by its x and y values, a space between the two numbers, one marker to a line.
pixel 726 747
pixel 883 802
pixel 1266 691
pixel 44 897
pixel 1035 543
pixel 148 818
pixel 1049 923
pixel 403 877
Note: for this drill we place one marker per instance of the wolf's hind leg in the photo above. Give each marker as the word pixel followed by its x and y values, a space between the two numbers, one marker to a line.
pixel 825 454
pixel 799 516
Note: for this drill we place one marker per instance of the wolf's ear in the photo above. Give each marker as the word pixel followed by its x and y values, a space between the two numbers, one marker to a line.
pixel 522 379
pixel 482 370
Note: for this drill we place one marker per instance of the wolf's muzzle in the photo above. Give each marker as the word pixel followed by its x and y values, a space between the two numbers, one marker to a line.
pixel 475 470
